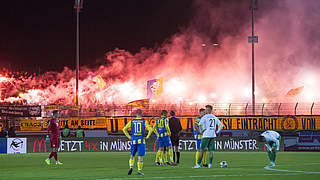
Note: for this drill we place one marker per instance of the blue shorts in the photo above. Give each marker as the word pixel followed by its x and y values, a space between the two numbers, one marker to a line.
pixel 198 144
pixel 140 148
pixel 164 142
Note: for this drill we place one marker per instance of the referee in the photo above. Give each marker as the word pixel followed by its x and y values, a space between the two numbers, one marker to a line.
pixel 175 128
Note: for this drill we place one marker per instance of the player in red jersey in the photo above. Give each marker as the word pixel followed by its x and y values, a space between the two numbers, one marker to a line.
pixel 53 129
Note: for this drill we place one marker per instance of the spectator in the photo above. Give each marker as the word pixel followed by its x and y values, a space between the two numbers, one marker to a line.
pixel 66 131
pixel 79 132
pixel 3 133
pixel 11 132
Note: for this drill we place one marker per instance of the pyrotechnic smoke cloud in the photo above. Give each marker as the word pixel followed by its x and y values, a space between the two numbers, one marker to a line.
pixel 209 60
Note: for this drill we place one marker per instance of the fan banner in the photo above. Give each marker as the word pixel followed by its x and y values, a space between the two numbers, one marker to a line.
pixel 20 111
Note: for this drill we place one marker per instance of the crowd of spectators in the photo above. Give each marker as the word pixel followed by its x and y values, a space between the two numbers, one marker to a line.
pixel 10 133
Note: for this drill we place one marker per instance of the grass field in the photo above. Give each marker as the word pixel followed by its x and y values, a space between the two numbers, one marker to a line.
pixel 114 165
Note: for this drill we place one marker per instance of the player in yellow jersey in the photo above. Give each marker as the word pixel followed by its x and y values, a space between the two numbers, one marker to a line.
pixel 138 143
pixel 162 130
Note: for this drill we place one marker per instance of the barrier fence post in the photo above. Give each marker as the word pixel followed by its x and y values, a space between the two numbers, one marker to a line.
pixel 279 109
pixel 195 109
pixel 245 112
pixel 262 110
pixel 295 109
pixel 229 109
pixel 311 108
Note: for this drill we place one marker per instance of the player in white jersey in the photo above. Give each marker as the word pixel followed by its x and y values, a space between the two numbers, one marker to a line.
pixel 272 139
pixel 208 124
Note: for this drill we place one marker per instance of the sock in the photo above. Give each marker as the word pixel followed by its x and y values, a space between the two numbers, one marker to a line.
pixel 199 160
pixel 160 156
pixel 157 157
pixel 140 165
pixel 51 154
pixel 204 158
pixel 131 163
pixel 197 157
pixel 165 156
pixel 174 156
pixel 210 160
pixel 274 156
pixel 171 155
pixel 55 156
pixel 178 157
pixel 270 156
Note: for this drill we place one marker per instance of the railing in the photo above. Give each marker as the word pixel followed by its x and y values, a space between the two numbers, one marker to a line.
pixel 225 109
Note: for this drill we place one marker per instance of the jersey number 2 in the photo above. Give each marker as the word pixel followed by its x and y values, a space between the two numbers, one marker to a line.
pixel 212 122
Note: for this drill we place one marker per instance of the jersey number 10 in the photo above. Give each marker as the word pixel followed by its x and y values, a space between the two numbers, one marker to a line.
pixel 161 123
pixel 137 127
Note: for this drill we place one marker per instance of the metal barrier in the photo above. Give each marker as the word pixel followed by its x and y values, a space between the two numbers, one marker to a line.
pixel 224 109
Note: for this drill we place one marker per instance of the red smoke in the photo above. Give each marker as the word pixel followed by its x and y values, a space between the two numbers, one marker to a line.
pixel 208 61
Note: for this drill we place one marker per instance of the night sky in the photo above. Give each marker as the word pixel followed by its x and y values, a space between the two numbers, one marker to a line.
pixel 39 35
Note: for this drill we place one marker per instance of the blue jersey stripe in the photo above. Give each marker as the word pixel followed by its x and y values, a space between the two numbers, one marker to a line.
pixel 161 126
pixel 196 123
pixel 138 127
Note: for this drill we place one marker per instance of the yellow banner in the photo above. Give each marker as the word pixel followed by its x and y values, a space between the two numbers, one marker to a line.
pixel 273 122
pixel 83 122
pixel 1 125
pixel 30 125
pixel 116 124
pixel 251 123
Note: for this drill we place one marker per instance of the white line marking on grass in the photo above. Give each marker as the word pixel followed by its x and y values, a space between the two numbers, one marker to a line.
pixel 289 173
pixel 217 175
pixel 293 171
pixel 311 163
pixel 246 165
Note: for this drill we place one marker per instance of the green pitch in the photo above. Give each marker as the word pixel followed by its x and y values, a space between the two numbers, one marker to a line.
pixel 114 165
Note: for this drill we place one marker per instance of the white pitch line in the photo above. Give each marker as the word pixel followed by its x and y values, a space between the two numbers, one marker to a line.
pixel 310 163
pixel 217 175
pixel 293 171
pixel 290 173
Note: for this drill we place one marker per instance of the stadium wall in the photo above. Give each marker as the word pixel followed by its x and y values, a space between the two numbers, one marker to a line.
pixel 13 145
pixel 122 144
pixel 238 141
